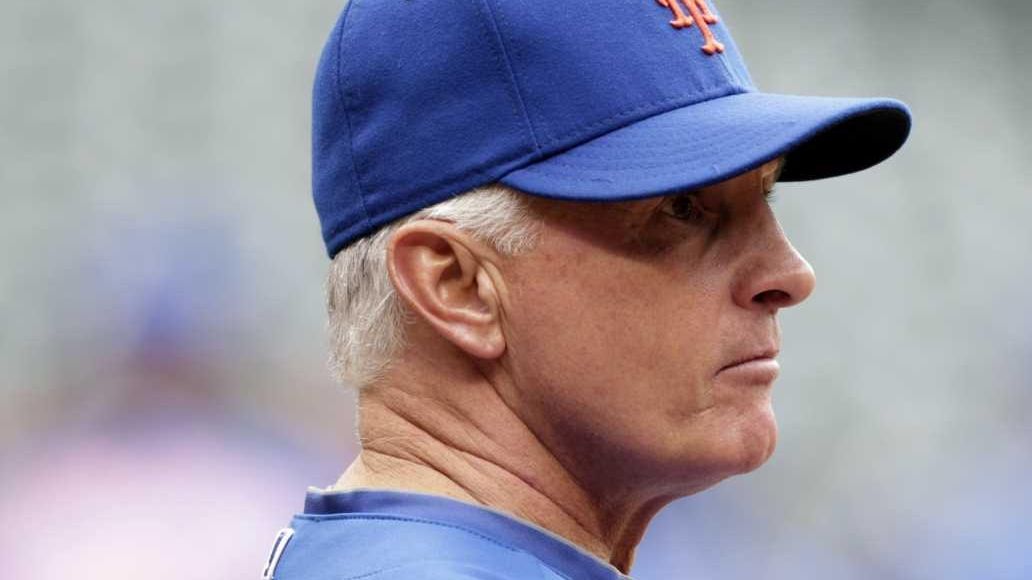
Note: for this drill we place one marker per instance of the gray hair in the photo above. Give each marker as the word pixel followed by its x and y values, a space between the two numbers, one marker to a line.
pixel 366 318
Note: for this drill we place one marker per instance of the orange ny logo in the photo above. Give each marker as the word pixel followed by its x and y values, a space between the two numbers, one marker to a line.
pixel 699 14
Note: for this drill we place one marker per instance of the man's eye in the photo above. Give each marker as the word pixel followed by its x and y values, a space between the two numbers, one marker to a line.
pixel 684 207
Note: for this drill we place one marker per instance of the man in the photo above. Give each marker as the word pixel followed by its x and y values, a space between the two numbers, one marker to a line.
pixel 555 277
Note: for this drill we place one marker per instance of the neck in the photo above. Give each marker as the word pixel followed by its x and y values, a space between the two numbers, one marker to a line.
pixel 462 441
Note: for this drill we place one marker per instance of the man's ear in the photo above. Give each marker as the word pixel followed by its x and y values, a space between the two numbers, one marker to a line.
pixel 436 270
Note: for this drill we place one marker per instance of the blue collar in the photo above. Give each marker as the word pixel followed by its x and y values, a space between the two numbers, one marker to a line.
pixel 553 551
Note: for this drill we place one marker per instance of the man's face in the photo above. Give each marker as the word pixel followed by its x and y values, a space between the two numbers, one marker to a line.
pixel 625 325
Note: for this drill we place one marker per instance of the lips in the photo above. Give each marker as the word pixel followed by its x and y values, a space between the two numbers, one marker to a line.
pixel 762 354
pixel 753 366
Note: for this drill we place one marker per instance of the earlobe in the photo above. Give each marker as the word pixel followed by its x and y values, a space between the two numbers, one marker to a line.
pixel 438 272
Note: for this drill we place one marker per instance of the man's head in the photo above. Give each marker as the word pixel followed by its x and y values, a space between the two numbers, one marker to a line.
pixel 615 274
pixel 604 326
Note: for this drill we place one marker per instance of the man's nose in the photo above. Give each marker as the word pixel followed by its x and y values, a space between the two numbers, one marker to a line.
pixel 776 275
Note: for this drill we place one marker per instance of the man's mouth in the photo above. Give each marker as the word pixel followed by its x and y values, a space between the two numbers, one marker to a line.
pixel 758 366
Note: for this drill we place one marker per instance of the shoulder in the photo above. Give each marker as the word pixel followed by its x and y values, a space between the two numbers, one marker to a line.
pixel 454 570
pixel 391 548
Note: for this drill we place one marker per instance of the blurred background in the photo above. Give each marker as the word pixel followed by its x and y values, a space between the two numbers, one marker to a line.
pixel 165 401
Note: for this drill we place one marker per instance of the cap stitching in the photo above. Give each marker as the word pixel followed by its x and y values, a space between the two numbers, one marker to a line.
pixel 723 57
pixel 722 91
pixel 521 78
pixel 672 148
pixel 501 21
pixel 747 135
pixel 347 115
pixel 514 96
pixel 732 74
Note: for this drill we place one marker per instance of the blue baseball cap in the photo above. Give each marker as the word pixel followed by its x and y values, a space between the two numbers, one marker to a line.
pixel 417 101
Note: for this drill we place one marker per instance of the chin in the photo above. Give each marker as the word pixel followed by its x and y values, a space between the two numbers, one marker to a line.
pixel 744 444
pixel 732 448
pixel 757 440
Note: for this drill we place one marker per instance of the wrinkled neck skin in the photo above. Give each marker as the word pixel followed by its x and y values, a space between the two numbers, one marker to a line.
pixel 458 438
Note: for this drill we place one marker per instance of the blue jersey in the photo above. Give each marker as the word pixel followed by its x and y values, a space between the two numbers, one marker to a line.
pixel 389 535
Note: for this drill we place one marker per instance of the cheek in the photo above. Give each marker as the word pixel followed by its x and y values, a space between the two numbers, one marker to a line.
pixel 614 354
pixel 615 363
pixel 610 328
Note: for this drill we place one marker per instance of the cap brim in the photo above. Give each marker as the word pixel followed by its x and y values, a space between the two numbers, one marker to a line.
pixel 715 140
